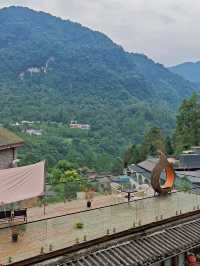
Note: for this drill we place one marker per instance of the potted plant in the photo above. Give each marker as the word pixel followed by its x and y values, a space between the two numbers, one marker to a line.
pixel 9 259
pixel 79 225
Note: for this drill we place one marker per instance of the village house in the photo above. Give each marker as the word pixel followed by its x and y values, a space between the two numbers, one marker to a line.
pixel 74 124
pixel 186 165
pixel 9 143
pixel 189 160
pixel 33 131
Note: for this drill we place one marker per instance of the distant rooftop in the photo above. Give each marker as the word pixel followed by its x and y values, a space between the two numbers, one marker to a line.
pixel 193 176
pixel 190 160
pixel 187 152
pixel 187 160
pixel 9 139
pixel 75 124
pixel 134 168
pixel 148 164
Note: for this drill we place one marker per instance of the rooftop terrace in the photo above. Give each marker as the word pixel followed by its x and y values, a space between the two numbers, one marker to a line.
pixel 59 232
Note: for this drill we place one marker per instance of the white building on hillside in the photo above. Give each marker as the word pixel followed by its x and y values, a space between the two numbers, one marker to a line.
pixel 74 124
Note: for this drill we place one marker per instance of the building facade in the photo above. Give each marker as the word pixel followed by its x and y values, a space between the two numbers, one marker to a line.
pixel 9 143
pixel 74 124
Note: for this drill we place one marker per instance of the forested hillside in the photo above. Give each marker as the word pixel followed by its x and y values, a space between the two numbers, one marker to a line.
pixel 188 70
pixel 55 70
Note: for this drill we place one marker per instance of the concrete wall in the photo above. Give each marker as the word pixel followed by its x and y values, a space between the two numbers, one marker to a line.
pixel 6 158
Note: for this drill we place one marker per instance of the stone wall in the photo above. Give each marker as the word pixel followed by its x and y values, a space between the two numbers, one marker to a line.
pixel 6 158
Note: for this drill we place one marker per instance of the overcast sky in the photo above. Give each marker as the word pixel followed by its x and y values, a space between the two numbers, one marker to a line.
pixel 165 30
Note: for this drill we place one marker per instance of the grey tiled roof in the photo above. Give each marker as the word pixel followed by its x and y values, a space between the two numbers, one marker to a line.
pixel 148 165
pixel 139 170
pixel 145 250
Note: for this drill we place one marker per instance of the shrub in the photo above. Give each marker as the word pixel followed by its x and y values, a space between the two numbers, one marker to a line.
pixel 79 225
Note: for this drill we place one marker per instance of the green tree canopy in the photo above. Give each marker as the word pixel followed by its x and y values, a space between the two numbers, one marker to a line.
pixel 153 141
pixel 169 148
pixel 187 131
pixel 67 180
pixel 132 155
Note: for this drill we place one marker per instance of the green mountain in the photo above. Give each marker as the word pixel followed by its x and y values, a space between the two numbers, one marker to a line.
pixel 56 70
pixel 189 71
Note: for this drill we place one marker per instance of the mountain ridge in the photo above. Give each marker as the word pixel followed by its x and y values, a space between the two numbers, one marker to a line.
pixel 188 70
pixel 57 70
pixel 31 44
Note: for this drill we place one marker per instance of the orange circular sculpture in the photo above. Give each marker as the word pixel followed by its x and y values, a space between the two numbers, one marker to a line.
pixel 165 165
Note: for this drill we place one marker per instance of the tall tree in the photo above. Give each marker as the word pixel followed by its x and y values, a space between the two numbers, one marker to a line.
pixel 187 132
pixel 169 148
pixel 153 141
pixel 131 155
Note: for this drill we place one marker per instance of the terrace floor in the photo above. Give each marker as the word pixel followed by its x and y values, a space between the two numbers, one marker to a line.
pixel 59 232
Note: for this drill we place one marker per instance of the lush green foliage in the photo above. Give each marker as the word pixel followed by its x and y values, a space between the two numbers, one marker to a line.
pixel 153 142
pixel 187 132
pixel 66 180
pixel 55 71
pixel 79 147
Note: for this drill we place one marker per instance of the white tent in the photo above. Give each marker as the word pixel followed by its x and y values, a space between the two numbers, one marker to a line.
pixel 21 183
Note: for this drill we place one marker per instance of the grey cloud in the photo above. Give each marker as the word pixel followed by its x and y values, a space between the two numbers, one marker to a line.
pixel 165 30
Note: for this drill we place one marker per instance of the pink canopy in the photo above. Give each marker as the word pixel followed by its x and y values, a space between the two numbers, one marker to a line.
pixel 22 183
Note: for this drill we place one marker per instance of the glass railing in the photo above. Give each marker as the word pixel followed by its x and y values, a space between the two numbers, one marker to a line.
pixel 59 232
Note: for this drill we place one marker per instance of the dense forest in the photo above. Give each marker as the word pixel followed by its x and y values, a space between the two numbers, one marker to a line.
pixel 185 135
pixel 54 71
pixel 188 70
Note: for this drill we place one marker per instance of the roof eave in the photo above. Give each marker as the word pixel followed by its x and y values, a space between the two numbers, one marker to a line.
pixel 10 146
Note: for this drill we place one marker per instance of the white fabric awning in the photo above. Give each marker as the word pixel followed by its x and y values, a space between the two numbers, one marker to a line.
pixel 21 183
